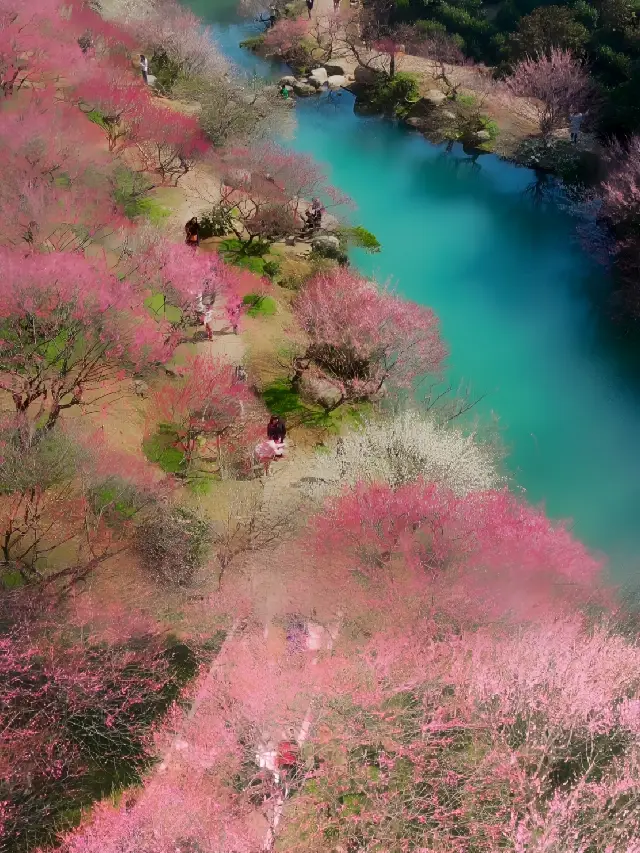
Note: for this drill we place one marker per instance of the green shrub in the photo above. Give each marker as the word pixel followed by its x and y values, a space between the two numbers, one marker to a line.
pixel 166 70
pixel 130 191
pixel 215 223
pixel 393 95
pixel 160 449
pixel 253 42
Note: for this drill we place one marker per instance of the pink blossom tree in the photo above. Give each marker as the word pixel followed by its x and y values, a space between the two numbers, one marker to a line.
pixel 558 83
pixel 168 144
pixel 506 555
pixel 69 331
pixel 265 191
pixel 286 39
pixel 206 402
pixel 75 718
pixel 57 190
pixel 364 337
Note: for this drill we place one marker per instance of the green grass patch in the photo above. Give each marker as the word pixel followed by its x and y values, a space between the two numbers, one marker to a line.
pixel 96 117
pixel 466 100
pixel 281 399
pixel 201 485
pixel 259 305
pixel 130 191
pixel 161 450
pixel 158 306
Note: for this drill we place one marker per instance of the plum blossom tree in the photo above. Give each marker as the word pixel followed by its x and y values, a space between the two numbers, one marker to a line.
pixel 75 722
pixel 400 449
pixel 558 83
pixel 69 328
pixel 122 103
pixel 365 337
pixel 206 402
pixel 433 531
pixel 168 144
pixel 60 488
pixel 55 194
pixel 265 191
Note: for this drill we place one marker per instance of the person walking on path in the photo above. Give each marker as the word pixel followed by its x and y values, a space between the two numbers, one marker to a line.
pixel 144 68
pixel 310 7
pixel 336 6
pixel 192 232
pixel 575 123
pixel 276 430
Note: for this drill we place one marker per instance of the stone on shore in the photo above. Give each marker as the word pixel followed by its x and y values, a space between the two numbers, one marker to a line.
pixel 303 90
pixel 317 389
pixel 326 241
pixel 363 75
pixel 313 81
pixel 337 81
pixel 334 69
pixel 288 80
pixel 319 74
pixel 482 136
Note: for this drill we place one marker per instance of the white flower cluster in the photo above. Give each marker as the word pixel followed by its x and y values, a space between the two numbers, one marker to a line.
pixel 403 448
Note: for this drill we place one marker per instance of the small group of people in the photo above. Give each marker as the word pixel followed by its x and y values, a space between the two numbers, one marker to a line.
pixel 313 216
pixel 192 232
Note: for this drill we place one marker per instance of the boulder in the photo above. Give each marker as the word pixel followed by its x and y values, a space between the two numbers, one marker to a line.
pixel 482 136
pixel 326 241
pixel 140 388
pixel 312 81
pixel 317 389
pixel 319 74
pixel 449 115
pixel 363 75
pixel 435 97
pixel 288 80
pixel 303 90
pixel 337 81
pixel 332 69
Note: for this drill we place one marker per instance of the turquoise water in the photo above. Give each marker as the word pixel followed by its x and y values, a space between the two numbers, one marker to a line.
pixel 517 299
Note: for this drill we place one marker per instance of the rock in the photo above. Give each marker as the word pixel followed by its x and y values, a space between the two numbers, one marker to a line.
pixel 364 75
pixel 312 81
pixel 326 241
pixel 319 74
pixel 287 81
pixel 482 136
pixel 416 122
pixel 435 97
pixel 151 80
pixel 337 81
pixel 333 69
pixel 449 115
pixel 140 388
pixel 303 90
pixel 290 241
pixel 317 389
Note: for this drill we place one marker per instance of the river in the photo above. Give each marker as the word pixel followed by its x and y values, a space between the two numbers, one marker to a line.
pixel 518 299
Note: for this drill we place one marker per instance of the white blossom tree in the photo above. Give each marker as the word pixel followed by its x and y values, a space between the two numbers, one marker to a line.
pixel 402 448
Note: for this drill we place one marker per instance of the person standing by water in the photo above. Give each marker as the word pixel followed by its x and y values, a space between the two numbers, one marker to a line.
pixel 575 123
pixel 144 68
